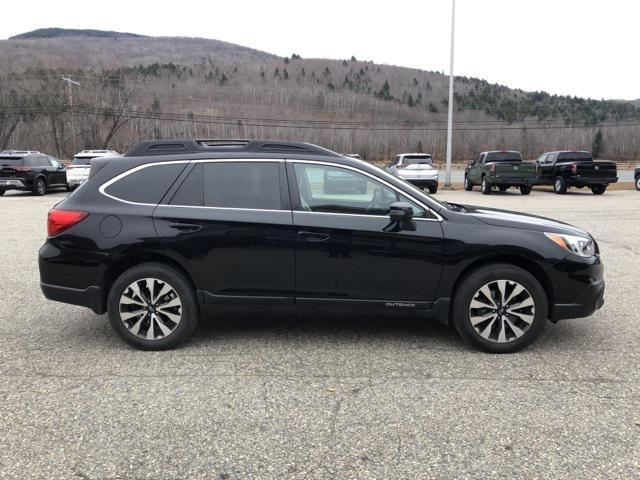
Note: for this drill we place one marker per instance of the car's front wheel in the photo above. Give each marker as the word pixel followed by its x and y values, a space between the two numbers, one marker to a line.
pixel 500 308
pixel 638 183
pixel 2 192
pixel 560 186
pixel 468 186
pixel 433 189
pixel 598 189
pixel 152 307
pixel 525 189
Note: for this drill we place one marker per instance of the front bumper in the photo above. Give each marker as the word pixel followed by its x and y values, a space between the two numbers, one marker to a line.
pixel 579 288
pixel 90 297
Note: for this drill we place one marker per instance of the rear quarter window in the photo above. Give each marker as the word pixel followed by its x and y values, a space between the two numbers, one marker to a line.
pixel 147 185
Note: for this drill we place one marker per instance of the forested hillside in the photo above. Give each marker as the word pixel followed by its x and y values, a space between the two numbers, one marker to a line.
pixel 134 88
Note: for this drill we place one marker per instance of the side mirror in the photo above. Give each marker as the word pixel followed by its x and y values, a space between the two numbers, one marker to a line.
pixel 401 217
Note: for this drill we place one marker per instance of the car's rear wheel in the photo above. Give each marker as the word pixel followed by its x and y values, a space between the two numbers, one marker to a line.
pixel 39 186
pixel 2 192
pixel 500 308
pixel 152 307
pixel 560 186
pixel 598 189
pixel 468 186
pixel 638 183
pixel 525 189
pixel 433 189
pixel 485 186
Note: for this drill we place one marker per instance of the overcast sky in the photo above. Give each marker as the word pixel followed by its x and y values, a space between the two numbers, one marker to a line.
pixel 576 47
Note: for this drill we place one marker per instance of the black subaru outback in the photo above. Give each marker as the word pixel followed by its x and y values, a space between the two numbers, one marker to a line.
pixel 177 227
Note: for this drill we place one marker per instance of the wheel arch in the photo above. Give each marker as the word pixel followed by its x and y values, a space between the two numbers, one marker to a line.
pixel 126 262
pixel 511 259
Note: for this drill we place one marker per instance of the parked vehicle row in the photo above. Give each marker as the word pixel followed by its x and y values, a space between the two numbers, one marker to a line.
pixel 174 228
pixel 561 169
pixel 36 172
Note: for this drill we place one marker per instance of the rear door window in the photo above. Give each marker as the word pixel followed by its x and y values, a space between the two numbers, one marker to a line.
pixel 146 185
pixel 253 185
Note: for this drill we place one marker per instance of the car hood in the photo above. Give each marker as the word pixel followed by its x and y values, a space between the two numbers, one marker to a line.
pixel 506 218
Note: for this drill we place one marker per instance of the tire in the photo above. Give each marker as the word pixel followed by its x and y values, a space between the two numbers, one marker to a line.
pixel 433 189
pixel 172 325
pixel 560 186
pixel 498 334
pixel 70 188
pixel 2 192
pixel 468 186
pixel 638 183
pixel 39 186
pixel 485 187
pixel 503 188
pixel 525 189
pixel 598 189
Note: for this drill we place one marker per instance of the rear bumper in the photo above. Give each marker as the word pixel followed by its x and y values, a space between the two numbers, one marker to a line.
pixel 584 181
pixel 422 182
pixel 12 184
pixel 90 297
pixel 515 181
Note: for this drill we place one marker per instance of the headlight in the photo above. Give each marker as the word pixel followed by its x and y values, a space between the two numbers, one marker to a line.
pixel 579 245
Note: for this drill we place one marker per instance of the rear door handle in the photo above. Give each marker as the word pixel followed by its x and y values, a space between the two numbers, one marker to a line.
pixel 186 227
pixel 314 236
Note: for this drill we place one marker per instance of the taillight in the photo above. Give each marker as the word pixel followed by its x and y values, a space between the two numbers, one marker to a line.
pixel 22 169
pixel 60 220
pixel 402 166
pixel 574 168
pixel 492 168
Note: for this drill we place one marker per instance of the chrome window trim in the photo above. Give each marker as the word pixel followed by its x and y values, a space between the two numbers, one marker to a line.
pixel 393 187
pixel 124 174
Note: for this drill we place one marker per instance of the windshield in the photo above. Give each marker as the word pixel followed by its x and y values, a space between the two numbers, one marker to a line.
pixel 11 161
pixel 503 157
pixel 417 159
pixel 575 156
pixel 81 160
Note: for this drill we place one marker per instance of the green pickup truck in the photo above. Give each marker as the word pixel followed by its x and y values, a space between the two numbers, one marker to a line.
pixel 500 169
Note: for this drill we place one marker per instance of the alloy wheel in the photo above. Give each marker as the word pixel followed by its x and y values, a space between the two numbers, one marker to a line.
pixel 502 311
pixel 150 308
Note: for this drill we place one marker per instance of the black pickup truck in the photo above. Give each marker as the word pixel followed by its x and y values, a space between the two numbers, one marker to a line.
pixel 566 169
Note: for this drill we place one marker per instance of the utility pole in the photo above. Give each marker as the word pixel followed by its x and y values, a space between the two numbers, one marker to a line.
pixel 447 181
pixel 73 122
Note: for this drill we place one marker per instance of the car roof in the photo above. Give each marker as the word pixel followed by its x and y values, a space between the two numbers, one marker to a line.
pixel 19 153
pixel 568 151
pixel 500 151
pixel 419 154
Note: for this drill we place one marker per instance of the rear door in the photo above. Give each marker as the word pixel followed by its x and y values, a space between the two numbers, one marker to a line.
pixel 343 254
pixel 475 170
pixel 230 221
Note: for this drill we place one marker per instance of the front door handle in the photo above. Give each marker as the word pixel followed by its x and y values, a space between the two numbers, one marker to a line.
pixel 314 236
pixel 186 227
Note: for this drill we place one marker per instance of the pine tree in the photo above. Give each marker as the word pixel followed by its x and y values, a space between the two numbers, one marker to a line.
pixel 597 145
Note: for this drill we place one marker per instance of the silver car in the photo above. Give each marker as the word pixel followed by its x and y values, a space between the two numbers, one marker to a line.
pixel 416 168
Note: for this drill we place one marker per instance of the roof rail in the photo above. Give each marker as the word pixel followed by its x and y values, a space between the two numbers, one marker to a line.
pixel 173 147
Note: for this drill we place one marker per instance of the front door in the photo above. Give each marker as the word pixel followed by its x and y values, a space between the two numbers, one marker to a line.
pixel 343 254
pixel 230 221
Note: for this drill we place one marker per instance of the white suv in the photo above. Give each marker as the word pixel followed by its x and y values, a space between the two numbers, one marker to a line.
pixel 416 168
pixel 78 169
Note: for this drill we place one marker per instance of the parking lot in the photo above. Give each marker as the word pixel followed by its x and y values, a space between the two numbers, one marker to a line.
pixel 262 395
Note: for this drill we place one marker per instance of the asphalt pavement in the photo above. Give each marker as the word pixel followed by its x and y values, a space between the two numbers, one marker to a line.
pixel 264 395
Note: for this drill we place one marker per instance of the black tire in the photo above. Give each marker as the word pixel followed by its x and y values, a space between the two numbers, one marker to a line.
pixel 638 183
pixel 70 188
pixel 180 284
pixel 503 188
pixel 525 189
pixel 1 192
pixel 598 189
pixel 468 186
pixel 433 189
pixel 485 186
pixel 39 186
pixel 560 186
pixel 473 282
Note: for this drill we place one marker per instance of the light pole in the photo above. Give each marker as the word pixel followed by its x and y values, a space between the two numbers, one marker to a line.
pixel 447 181
pixel 73 123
